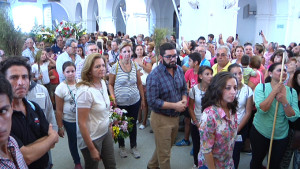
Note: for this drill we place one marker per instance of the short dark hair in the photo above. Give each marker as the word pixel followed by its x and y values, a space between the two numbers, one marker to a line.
pixel 214 93
pixel 201 38
pixel 164 47
pixel 15 61
pixel 195 57
pixel 247 44
pixel 104 33
pixel 66 64
pixel 233 66
pixel 211 36
pixel 245 60
pixel 5 88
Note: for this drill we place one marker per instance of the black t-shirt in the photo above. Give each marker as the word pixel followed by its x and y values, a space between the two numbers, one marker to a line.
pixel 27 129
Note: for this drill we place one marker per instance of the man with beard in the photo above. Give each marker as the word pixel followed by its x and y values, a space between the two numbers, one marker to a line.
pixel 167 97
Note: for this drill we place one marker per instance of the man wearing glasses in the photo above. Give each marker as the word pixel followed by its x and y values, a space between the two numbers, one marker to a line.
pixel 223 61
pixel 167 97
pixel 68 55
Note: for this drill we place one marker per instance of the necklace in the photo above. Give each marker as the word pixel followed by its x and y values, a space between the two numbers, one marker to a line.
pixel 100 89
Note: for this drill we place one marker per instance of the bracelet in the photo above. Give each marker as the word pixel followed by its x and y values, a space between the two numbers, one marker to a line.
pixel 195 121
pixel 285 105
pixel 61 128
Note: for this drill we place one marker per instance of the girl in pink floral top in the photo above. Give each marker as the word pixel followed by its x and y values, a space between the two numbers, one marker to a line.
pixel 218 124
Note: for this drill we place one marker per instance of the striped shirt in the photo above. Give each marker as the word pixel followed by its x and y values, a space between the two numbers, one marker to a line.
pixel 125 88
pixel 162 86
pixel 16 155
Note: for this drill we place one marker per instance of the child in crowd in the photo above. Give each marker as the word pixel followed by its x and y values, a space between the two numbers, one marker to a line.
pixel 191 78
pixel 246 69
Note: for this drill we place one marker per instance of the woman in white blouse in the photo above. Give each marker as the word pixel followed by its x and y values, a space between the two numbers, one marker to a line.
pixel 93 105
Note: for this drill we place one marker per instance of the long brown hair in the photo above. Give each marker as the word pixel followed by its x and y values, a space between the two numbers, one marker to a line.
pixel 86 76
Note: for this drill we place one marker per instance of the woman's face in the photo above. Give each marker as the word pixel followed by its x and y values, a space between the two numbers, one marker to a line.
pixel 206 76
pixel 79 51
pixel 44 55
pixel 98 69
pixel 126 53
pixel 275 74
pixel 230 90
pixel 239 53
pixel 70 73
pixel 278 59
pixel 139 51
pixel 237 72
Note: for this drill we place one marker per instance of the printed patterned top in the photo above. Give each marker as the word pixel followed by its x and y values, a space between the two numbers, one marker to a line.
pixel 18 161
pixel 217 135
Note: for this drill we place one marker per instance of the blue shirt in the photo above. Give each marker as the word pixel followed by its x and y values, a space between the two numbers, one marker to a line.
pixel 56 49
pixel 162 86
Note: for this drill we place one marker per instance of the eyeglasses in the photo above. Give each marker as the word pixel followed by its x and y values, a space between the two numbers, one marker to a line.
pixel 170 56
pixel 74 47
pixel 222 54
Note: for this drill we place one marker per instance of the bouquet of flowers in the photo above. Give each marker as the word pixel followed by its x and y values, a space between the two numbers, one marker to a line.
pixel 121 124
pixel 41 33
pixel 68 29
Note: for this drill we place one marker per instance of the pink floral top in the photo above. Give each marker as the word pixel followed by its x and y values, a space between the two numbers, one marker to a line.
pixel 217 135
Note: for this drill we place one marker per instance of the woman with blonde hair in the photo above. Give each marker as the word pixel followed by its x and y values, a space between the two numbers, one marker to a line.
pixel 93 105
pixel 126 87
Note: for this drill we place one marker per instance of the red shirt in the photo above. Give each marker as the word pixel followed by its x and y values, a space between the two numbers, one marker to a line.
pixel 56 79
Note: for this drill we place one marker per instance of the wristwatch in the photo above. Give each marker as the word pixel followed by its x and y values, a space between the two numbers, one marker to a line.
pixel 61 128
pixel 285 105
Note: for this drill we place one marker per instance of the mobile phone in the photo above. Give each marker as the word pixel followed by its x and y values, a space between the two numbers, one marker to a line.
pixel 260 33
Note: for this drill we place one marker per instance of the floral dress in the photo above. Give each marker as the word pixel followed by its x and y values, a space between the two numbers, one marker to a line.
pixel 217 135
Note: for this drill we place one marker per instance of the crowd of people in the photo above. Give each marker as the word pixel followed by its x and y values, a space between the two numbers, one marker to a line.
pixel 226 91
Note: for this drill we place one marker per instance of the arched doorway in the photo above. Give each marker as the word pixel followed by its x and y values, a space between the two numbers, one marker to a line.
pixel 92 12
pixel 120 23
pixel 78 13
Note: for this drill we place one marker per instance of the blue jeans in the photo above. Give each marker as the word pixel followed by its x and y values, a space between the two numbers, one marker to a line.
pixel 132 111
pixel 296 162
pixel 238 147
pixel 72 140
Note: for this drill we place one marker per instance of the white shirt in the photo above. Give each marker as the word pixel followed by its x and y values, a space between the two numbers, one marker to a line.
pixel 195 92
pixel 99 104
pixel 61 59
pixel 68 94
pixel 243 95
pixel 43 70
pixel 27 53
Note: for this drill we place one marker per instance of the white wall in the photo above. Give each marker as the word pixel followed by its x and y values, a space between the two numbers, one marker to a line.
pixel 246 26
pixel 211 17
